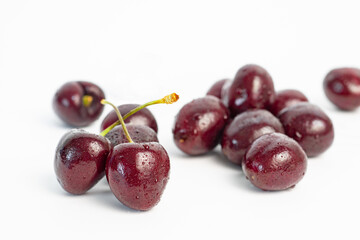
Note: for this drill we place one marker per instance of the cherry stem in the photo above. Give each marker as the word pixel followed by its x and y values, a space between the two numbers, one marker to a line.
pixel 103 101
pixel 87 100
pixel 168 99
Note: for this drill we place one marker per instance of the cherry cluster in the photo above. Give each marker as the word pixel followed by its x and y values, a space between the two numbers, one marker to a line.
pixel 136 165
pixel 270 134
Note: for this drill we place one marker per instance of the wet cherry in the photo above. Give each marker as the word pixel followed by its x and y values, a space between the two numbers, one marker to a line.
pixel 80 160
pixel 309 126
pixel 342 87
pixel 78 103
pixel 244 129
pixel 252 87
pixel 274 162
pixel 199 125
pixel 137 173
pixel 286 98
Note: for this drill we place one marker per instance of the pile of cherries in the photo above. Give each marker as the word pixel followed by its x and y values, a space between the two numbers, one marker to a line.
pixel 270 134
pixel 136 165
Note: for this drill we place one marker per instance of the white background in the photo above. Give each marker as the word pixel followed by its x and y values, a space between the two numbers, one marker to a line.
pixel 139 51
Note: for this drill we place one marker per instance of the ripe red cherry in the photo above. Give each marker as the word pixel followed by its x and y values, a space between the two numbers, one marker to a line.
pixel 252 87
pixel 142 117
pixel 286 98
pixel 199 125
pixel 78 103
pixel 274 162
pixel 342 87
pixel 138 173
pixel 309 126
pixel 80 160
pixel 138 133
pixel 216 88
pixel 244 129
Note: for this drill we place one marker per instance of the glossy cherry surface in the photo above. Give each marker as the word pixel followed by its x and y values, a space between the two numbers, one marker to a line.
pixel 309 126
pixel 216 88
pixel 199 125
pixel 286 98
pixel 80 160
pixel 342 87
pixel 244 129
pixel 138 133
pixel 252 87
pixel 142 117
pixel 68 103
pixel 138 173
pixel 274 162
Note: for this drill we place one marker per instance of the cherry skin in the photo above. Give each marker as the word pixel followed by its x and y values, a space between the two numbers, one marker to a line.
pixel 138 133
pixel 216 88
pixel 80 160
pixel 342 87
pixel 309 126
pixel 138 173
pixel 199 125
pixel 244 129
pixel 252 87
pixel 286 98
pixel 274 162
pixel 69 105
pixel 142 117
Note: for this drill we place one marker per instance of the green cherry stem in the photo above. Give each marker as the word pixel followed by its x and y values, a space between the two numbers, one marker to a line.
pixel 168 99
pixel 121 120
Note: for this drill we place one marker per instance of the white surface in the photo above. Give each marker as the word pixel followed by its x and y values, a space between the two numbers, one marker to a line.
pixel 141 50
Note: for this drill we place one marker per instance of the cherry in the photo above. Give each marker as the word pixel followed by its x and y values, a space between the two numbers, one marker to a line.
pixel 143 117
pixel 78 103
pixel 244 129
pixel 137 173
pixel 286 98
pixel 199 125
pixel 216 88
pixel 139 133
pixel 252 87
pixel 342 87
pixel 309 126
pixel 274 162
pixel 80 160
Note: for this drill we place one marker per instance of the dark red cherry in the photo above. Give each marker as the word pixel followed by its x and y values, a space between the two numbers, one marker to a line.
pixel 138 173
pixel 138 133
pixel 78 103
pixel 309 126
pixel 199 125
pixel 142 117
pixel 286 98
pixel 342 87
pixel 216 88
pixel 274 162
pixel 244 129
pixel 80 160
pixel 252 88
